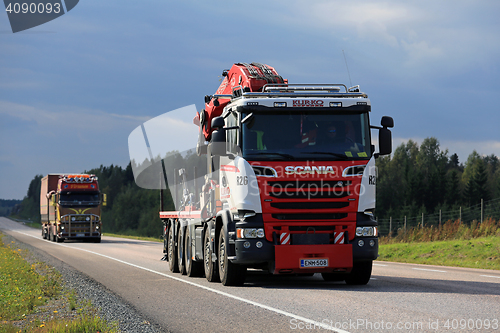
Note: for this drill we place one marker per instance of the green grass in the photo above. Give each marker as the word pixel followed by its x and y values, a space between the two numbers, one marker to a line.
pixel 22 288
pixel 453 244
pixel 483 252
pixel 31 293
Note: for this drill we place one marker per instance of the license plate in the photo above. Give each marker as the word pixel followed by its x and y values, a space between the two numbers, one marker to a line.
pixel 80 235
pixel 312 263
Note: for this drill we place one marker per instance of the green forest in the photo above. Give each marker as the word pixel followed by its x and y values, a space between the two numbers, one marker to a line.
pixel 6 206
pixel 414 180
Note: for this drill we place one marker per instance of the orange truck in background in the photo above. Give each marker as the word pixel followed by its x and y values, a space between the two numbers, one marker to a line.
pixel 70 207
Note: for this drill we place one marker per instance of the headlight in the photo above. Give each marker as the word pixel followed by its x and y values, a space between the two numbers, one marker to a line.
pixel 250 233
pixel 73 219
pixel 366 232
pixel 88 218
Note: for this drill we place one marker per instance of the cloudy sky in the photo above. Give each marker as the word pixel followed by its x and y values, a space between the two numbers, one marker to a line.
pixel 73 89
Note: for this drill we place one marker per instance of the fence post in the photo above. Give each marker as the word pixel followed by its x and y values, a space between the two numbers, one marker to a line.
pixel 405 224
pixel 460 218
pixel 422 220
pixel 440 219
pixel 390 225
pixel 482 213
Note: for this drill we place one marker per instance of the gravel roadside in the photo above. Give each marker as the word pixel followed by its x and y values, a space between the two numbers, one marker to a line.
pixel 110 306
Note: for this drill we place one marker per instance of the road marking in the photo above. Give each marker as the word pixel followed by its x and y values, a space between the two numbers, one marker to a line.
pixel 428 270
pixel 263 306
pixel 491 276
pixel 380 265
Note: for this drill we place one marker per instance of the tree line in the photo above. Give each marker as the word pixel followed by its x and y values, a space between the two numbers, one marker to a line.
pixel 413 180
pixel 6 206
pixel 425 179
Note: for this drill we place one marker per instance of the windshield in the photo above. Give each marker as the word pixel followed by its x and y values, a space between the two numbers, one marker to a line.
pixel 322 135
pixel 79 198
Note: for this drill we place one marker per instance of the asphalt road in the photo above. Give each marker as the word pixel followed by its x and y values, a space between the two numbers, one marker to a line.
pixel 399 298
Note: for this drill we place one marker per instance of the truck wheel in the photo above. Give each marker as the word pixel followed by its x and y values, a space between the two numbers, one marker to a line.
pixel 360 274
pixel 180 251
pixel 59 239
pixel 210 267
pixel 53 238
pixel 193 268
pixel 172 250
pixel 230 274
pixel 97 240
pixel 44 234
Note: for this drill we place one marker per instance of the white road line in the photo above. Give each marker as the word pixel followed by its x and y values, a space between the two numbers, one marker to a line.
pixel 263 306
pixel 428 270
pixel 491 276
pixel 380 265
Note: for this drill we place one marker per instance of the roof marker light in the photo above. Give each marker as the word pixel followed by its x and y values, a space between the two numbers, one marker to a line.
pixel 335 104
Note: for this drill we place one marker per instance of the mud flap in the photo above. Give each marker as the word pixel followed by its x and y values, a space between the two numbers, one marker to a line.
pixel 288 258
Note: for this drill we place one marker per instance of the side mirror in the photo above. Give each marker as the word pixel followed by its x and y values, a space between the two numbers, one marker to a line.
pixel 384 141
pixel 217 123
pixel 104 199
pixel 387 121
pixel 218 144
pixel 385 135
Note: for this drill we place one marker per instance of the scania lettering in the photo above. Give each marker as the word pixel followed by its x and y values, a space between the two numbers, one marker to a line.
pixel 289 185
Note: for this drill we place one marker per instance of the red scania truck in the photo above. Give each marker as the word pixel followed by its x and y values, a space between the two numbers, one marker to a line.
pixel 70 207
pixel 289 186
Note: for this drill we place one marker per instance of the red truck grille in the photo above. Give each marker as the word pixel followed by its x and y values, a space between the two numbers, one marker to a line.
pixel 295 189
pixel 309 211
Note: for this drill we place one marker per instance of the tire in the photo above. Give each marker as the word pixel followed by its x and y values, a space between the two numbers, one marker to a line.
pixel 97 240
pixel 193 268
pixel 210 267
pixel 180 250
pixel 172 250
pixel 230 274
pixel 44 234
pixel 333 276
pixel 360 274
pixel 53 238
pixel 59 239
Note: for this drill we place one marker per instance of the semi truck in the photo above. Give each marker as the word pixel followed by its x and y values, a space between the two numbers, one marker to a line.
pixel 70 207
pixel 289 186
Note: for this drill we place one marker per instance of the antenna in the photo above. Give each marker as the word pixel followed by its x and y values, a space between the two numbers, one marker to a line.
pixel 347 68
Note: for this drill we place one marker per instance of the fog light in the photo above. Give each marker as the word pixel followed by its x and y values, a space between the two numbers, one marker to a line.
pixel 62 227
pixel 259 244
pixel 361 243
pixel 372 243
pixel 246 245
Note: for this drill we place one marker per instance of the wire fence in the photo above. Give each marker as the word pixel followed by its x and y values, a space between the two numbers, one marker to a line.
pixel 466 215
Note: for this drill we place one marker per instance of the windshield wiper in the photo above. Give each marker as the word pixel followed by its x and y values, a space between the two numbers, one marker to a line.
pixel 342 156
pixel 291 157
